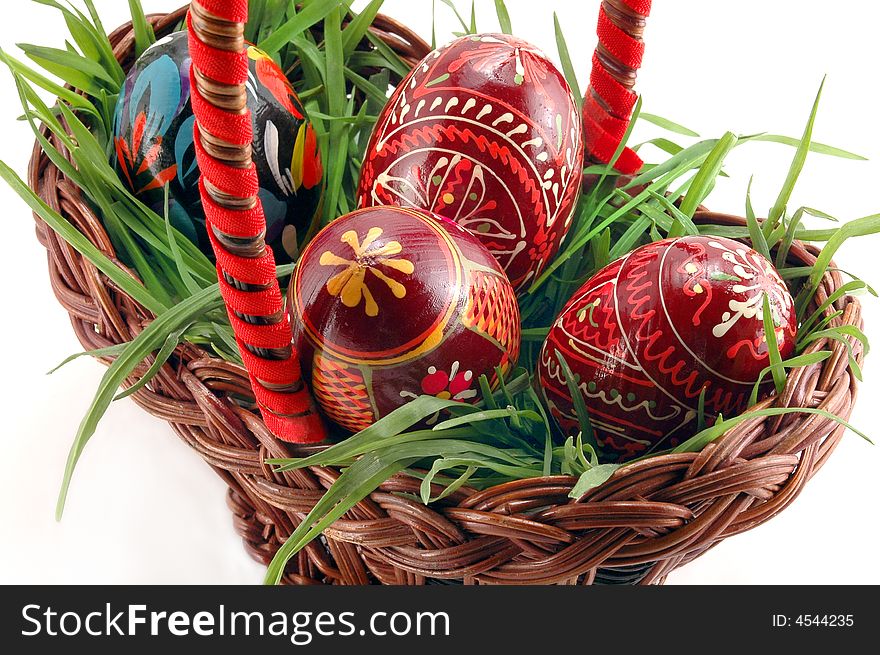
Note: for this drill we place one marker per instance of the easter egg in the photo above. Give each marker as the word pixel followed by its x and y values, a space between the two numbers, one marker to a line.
pixel 388 304
pixel 154 147
pixel 484 131
pixel 651 332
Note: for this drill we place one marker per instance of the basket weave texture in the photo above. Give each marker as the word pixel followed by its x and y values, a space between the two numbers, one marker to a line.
pixel 648 519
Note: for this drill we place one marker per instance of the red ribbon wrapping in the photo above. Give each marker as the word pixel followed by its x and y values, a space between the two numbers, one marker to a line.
pixel 608 104
pixel 289 415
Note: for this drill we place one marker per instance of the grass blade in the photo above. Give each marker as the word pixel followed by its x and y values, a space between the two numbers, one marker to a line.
pixel 377 96
pixel 701 410
pixel 335 80
pixel 182 270
pixel 702 439
pixel 818 148
pixel 787 239
pixel 577 400
pixel 73 68
pixel 310 15
pixel 759 241
pixel 98 353
pixel 840 334
pixel 78 242
pixel 387 427
pixel 797 165
pixel 443 465
pixel 773 347
pixel 795 362
pixel 392 59
pixel 158 362
pixel 153 336
pixel 686 223
pixel 451 5
pixel 144 36
pixel 354 32
pixel 565 59
pixel 668 125
pixel 859 227
pixel 708 173
pixel 74 99
pixel 503 17
pixel 849 287
pixel 667 146
pixel 355 483
pixel 487 415
pixel 547 468
pixel 592 478
pixel 433 24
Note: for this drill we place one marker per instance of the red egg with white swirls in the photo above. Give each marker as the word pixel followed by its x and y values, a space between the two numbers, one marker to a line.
pixel 486 132
pixel 389 304
pixel 648 333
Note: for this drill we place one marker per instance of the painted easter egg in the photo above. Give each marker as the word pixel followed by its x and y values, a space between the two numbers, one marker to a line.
pixel 154 145
pixel 484 131
pixel 389 304
pixel 648 333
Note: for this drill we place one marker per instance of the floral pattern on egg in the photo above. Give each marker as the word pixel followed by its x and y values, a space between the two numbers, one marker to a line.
pixel 389 304
pixel 153 146
pixel 652 332
pixel 484 131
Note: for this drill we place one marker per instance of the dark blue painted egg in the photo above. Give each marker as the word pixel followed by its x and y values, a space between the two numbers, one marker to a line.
pixel 154 146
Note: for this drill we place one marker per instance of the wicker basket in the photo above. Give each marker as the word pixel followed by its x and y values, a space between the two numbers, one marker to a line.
pixel 648 519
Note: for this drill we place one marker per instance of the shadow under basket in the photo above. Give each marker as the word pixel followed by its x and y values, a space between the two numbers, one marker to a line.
pixel 648 519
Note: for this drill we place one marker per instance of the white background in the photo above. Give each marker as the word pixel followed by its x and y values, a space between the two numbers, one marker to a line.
pixel 145 509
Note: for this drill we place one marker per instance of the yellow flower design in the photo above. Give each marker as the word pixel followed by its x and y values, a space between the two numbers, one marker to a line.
pixel 350 285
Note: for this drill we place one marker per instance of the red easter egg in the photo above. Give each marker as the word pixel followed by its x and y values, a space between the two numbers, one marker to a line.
pixel 389 304
pixel 484 131
pixel 649 332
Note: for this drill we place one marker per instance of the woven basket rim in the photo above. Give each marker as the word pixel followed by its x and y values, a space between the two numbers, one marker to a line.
pixel 649 518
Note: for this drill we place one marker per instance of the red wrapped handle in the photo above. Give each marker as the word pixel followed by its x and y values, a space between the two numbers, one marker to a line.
pixel 609 101
pixel 235 221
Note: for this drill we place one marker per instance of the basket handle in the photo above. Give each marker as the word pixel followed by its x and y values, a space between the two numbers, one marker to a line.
pixel 236 224
pixel 610 99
